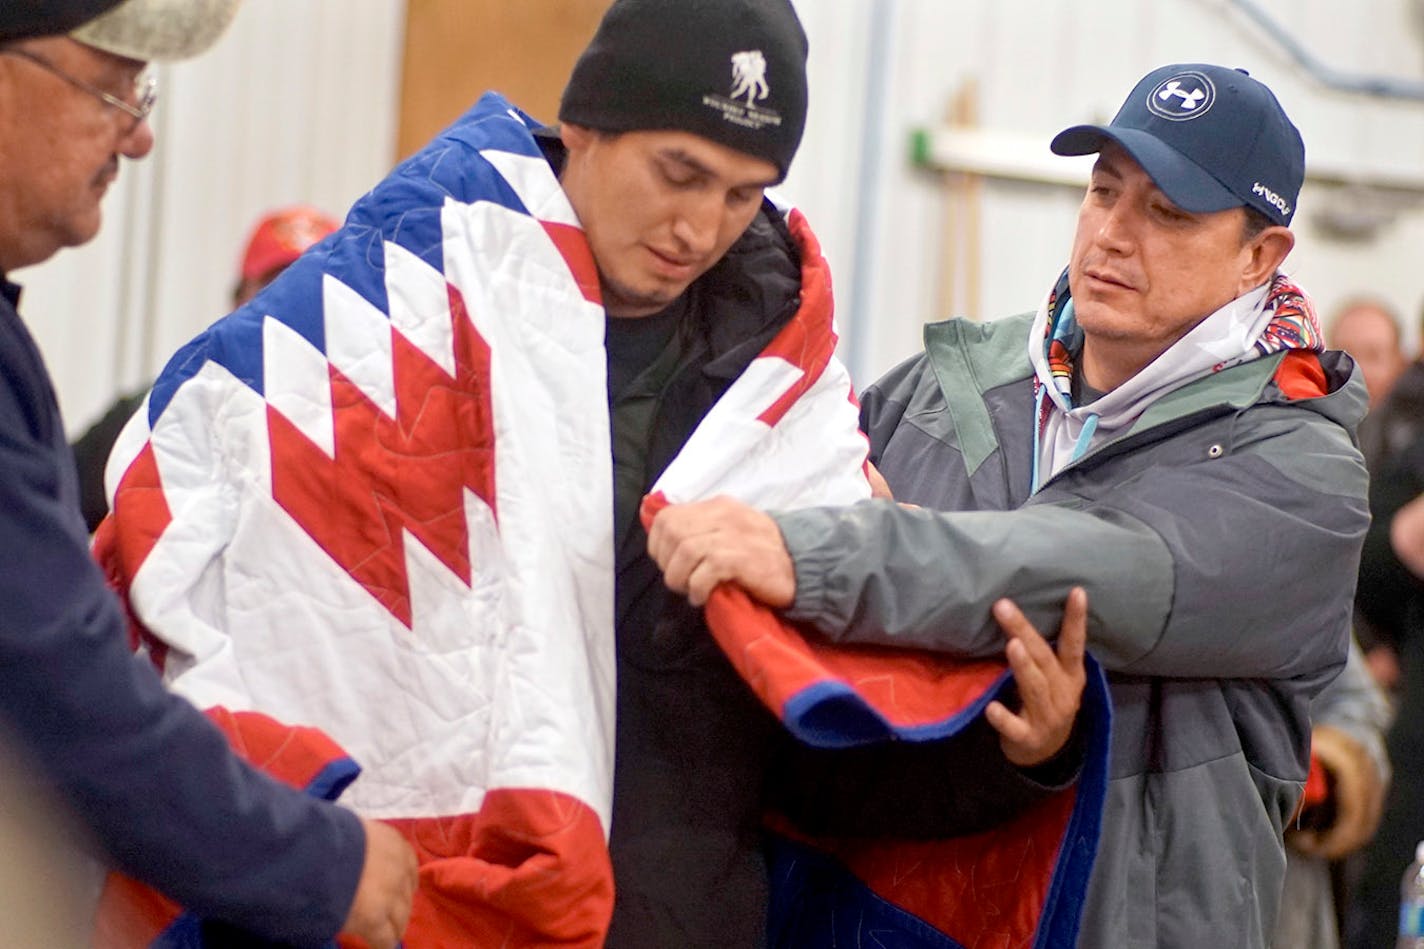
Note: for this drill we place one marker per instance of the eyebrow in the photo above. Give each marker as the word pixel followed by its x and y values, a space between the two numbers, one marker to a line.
pixel 1105 165
pixel 691 163
pixel 686 160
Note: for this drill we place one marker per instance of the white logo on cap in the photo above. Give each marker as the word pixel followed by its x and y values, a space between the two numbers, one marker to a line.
pixel 749 80
pixel 749 75
pixel 1184 96
pixel 1271 198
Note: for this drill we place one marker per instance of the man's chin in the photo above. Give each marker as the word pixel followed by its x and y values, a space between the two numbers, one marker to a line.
pixel 1098 316
pixel 623 301
pixel 43 243
pixel 83 228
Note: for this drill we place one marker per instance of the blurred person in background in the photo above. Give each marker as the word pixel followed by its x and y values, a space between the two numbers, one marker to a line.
pixel 1391 596
pixel 1349 769
pixel 1340 811
pixel 276 241
pixel 1382 599
pixel 1398 414
pixel 1370 331
pixel 142 772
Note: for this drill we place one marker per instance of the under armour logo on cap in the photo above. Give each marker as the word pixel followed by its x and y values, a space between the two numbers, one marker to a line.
pixel 1182 97
pixel 1211 138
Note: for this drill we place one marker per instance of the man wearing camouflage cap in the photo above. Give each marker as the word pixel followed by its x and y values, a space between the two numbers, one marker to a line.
pixel 144 773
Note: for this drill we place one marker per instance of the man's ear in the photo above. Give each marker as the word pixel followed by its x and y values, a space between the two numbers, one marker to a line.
pixel 1264 255
pixel 575 137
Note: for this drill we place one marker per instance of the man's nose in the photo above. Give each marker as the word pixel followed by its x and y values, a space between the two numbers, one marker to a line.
pixel 138 141
pixel 699 222
pixel 1116 229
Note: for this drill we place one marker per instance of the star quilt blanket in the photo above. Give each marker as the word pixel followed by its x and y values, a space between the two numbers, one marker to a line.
pixel 369 514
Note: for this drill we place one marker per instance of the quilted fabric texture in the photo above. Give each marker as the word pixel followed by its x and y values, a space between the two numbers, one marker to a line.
pixel 377 501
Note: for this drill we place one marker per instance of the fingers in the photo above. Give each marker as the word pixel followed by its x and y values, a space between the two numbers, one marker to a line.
pixel 677 526
pixel 879 487
pixel 689 554
pixel 1050 684
pixel 1009 726
pixel 679 561
pixel 701 545
pixel 1073 634
pixel 1035 651
pixel 1032 675
pixel 704 578
pixel 695 571
pixel 381 907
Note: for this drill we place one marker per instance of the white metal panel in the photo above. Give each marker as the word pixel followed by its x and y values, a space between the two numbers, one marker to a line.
pixel 298 102
pixel 1040 66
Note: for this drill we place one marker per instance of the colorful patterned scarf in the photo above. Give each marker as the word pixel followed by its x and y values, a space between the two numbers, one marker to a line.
pixel 1222 339
pixel 1293 325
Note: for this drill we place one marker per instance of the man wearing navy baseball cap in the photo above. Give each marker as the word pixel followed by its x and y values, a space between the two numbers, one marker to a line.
pixel 1166 432
pixel 1211 138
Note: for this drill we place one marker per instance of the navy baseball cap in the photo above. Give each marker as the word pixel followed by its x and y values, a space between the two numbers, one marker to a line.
pixel 1210 137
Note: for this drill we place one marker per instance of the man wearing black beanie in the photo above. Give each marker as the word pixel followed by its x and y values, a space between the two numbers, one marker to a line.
pixel 707 100
pixel 676 118
pixel 664 156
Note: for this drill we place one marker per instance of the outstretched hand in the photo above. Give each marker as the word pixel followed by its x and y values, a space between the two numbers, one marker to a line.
pixel 1050 684
pixel 702 544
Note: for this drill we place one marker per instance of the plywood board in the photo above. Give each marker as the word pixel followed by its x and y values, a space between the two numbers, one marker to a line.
pixel 457 49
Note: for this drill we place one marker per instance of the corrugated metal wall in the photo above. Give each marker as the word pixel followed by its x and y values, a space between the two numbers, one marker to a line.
pixel 296 103
pixel 299 102
pixel 1038 66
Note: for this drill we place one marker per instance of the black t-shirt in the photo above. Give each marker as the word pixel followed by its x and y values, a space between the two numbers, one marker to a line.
pixel 643 353
pixel 634 344
pixel 1084 394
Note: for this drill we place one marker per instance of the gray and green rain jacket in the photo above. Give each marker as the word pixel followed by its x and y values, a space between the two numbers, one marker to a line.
pixel 1217 539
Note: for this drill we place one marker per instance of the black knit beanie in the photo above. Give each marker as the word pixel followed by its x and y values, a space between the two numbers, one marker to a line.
pixel 733 71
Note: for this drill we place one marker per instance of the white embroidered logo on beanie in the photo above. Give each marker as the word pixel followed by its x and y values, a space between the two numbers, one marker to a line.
pixel 749 80
pixel 749 75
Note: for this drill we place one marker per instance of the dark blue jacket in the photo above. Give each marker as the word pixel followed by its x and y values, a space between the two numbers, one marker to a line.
pixel 150 778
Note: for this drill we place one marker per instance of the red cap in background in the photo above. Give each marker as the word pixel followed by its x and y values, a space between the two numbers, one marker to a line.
pixel 281 237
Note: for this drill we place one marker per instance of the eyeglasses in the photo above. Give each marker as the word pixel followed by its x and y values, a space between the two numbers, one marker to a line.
pixel 145 91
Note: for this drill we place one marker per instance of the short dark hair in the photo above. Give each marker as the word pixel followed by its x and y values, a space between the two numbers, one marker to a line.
pixel 1253 224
